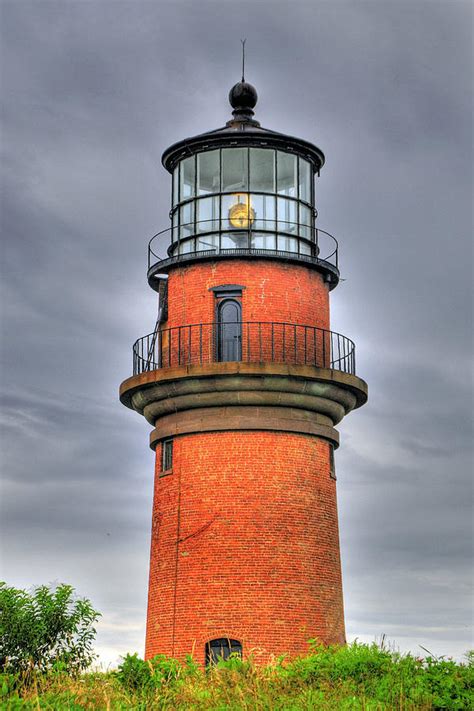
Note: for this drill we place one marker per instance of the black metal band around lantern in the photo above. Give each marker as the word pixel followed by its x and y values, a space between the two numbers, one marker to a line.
pixel 212 239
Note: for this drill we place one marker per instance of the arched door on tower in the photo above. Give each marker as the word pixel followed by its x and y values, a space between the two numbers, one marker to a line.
pixel 229 330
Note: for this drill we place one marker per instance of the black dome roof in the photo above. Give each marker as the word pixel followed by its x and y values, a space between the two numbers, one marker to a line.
pixel 242 130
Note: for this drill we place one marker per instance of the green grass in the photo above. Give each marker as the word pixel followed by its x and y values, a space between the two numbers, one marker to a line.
pixel 354 677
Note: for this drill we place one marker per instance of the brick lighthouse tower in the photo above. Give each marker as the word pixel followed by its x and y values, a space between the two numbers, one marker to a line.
pixel 243 382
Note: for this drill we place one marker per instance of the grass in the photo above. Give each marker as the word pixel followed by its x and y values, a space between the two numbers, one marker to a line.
pixel 358 676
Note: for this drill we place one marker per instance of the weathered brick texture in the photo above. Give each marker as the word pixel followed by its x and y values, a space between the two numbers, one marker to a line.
pixel 245 535
pixel 274 292
pixel 275 297
pixel 244 545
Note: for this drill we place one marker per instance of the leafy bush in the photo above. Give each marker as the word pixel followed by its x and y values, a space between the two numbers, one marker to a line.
pixel 45 629
pixel 451 685
pixel 385 676
pixel 134 673
pixel 357 677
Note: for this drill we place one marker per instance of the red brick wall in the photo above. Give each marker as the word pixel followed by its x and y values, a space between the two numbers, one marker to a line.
pixel 244 545
pixel 274 292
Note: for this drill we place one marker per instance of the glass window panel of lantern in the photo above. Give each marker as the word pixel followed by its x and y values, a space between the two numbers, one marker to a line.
pixel 207 214
pixel 175 186
pixel 235 240
pixel 186 246
pixel 262 240
pixel 187 178
pixel 305 222
pixel 305 248
pixel 234 169
pixel 174 224
pixel 304 180
pixel 207 242
pixel 264 210
pixel 232 218
pixel 286 174
pixel 186 219
pixel 208 178
pixel 287 218
pixel 262 170
pixel 287 244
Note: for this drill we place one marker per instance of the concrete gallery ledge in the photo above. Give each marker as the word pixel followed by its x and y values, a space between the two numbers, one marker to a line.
pixel 243 396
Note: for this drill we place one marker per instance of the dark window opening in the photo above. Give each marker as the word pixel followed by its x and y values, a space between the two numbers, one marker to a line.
pixel 332 463
pixel 222 649
pixel 167 455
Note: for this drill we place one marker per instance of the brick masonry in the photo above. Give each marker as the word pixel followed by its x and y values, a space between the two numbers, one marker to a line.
pixel 274 291
pixel 245 534
pixel 244 545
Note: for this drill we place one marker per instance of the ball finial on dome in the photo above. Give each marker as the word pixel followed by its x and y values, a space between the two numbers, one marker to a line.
pixel 243 96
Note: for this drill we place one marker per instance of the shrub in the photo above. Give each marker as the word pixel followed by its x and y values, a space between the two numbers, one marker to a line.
pixel 45 629
pixel 136 674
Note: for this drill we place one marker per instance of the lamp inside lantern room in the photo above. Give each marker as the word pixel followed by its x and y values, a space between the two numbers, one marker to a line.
pixel 241 214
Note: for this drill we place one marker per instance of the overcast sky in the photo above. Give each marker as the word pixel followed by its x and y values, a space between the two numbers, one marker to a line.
pixel 93 92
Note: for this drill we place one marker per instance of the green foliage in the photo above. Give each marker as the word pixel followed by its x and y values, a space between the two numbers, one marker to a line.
pixel 134 673
pixel 451 685
pixel 234 663
pixel 385 676
pixel 357 677
pixel 45 630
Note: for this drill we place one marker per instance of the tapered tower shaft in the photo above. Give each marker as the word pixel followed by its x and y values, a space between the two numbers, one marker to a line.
pixel 244 382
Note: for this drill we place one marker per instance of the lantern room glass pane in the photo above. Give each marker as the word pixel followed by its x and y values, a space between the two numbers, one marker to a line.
pixel 262 240
pixel 235 240
pixel 237 211
pixel 305 248
pixel 187 178
pixel 207 242
pixel 264 209
pixel 234 169
pixel 304 180
pixel 305 222
pixel 207 214
pixel 175 198
pixel 186 219
pixel 174 225
pixel 287 219
pixel 208 178
pixel 286 174
pixel 186 246
pixel 287 244
pixel 262 170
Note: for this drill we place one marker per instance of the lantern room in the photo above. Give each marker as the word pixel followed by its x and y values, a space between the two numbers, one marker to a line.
pixel 243 190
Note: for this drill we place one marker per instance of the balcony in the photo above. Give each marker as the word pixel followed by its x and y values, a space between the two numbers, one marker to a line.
pixel 244 341
pixel 266 239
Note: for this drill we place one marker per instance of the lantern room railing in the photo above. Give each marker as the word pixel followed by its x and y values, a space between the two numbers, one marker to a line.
pixel 244 341
pixel 264 238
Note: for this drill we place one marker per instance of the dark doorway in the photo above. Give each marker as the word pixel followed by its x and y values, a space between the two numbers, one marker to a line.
pixel 229 330
pixel 221 649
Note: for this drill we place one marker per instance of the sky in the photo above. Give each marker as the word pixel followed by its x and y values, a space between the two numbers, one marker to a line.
pixel 93 92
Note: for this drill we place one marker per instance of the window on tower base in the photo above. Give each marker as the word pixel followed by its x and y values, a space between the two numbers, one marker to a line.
pixel 167 455
pixel 332 464
pixel 222 648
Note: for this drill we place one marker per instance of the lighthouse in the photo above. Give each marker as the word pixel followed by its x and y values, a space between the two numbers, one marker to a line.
pixel 243 382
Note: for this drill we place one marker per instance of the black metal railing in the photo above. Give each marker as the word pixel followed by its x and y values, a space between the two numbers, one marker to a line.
pixel 246 341
pixel 212 238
